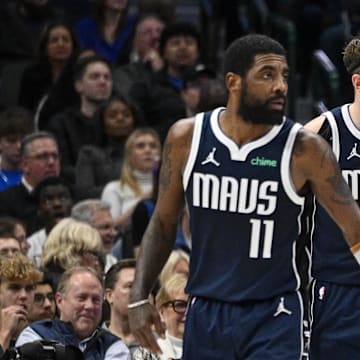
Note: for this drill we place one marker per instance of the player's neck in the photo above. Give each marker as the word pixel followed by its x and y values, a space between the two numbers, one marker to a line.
pixel 241 131
pixel 355 112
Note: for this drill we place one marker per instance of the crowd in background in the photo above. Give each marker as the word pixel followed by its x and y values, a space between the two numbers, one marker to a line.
pixel 88 92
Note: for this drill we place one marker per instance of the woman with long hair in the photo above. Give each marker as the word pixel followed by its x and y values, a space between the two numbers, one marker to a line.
pixel 47 85
pixel 98 165
pixel 142 154
pixel 108 31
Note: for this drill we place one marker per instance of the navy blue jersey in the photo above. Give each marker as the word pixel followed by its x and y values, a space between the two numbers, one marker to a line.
pixel 331 256
pixel 244 213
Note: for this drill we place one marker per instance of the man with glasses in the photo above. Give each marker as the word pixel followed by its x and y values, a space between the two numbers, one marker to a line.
pixel 97 214
pixel 40 159
pixel 18 277
pixel 43 306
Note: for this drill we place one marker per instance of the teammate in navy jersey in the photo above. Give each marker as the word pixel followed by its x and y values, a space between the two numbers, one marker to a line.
pixel 243 171
pixel 335 291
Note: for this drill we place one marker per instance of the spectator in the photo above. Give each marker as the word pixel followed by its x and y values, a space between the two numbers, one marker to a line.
pixel 15 123
pixel 9 246
pixel 75 126
pixel 40 159
pixel 171 302
pixel 118 282
pixel 177 263
pixel 79 299
pixel 47 84
pixel 21 22
pixel 18 276
pixel 196 80
pixel 160 96
pixel 43 306
pixel 97 214
pixel 142 152
pixel 98 165
pixel 71 243
pixel 164 9
pixel 54 198
pixel 109 31
pixel 145 58
pixel 17 228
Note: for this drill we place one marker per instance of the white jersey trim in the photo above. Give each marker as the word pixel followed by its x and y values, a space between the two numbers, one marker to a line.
pixel 286 169
pixel 195 142
pixel 345 112
pixel 240 153
pixel 335 134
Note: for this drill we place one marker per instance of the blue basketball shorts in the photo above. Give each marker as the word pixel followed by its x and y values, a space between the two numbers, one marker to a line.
pixel 256 330
pixel 335 321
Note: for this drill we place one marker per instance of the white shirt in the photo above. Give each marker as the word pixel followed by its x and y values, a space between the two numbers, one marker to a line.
pixel 36 242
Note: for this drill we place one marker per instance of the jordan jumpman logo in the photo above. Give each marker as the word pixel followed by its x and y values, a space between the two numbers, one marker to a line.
pixel 353 152
pixel 281 308
pixel 211 158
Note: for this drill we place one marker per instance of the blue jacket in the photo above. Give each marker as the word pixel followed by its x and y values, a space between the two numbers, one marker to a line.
pixel 63 332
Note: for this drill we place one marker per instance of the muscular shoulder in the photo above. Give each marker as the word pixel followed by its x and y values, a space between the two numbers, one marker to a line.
pixel 180 136
pixel 311 154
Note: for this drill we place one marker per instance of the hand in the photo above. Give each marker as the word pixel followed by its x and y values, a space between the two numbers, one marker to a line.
pixel 10 319
pixel 141 320
pixel 155 60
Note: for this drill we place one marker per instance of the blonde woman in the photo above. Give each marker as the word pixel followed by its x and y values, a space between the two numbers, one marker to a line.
pixel 142 153
pixel 71 243
pixel 177 263
pixel 171 302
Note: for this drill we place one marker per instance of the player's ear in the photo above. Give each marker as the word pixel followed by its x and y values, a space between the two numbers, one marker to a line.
pixel 233 82
pixel 356 81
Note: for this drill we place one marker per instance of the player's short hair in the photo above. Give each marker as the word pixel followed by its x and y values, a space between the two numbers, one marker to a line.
pixel 240 55
pixel 351 56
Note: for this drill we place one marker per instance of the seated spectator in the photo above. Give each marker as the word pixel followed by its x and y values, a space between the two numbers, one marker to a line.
pixel 142 153
pixel 196 80
pixel 17 228
pixel 40 159
pixel 9 245
pixel 15 123
pixel 21 22
pixel 118 282
pixel 177 263
pixel 165 9
pixel 80 292
pixel 43 306
pixel 97 214
pixel 47 84
pixel 171 302
pixel 160 96
pixel 108 31
pixel 145 58
pixel 71 243
pixel 98 165
pixel 54 198
pixel 76 126
pixel 18 277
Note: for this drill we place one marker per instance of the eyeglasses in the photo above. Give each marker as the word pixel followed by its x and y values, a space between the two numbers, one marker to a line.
pixel 179 306
pixel 40 298
pixel 44 156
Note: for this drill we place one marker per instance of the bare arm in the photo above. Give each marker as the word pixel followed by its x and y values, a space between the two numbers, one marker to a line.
pixel 160 234
pixel 315 168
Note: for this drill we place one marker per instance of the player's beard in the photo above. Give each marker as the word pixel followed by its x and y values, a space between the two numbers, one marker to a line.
pixel 257 111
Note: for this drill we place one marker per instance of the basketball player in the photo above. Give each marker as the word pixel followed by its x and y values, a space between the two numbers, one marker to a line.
pixel 244 171
pixel 335 291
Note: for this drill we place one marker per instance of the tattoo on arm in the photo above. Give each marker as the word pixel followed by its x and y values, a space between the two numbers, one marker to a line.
pixel 166 167
pixel 342 193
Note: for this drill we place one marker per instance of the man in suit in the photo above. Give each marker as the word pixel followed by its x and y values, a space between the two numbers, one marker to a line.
pixel 40 159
